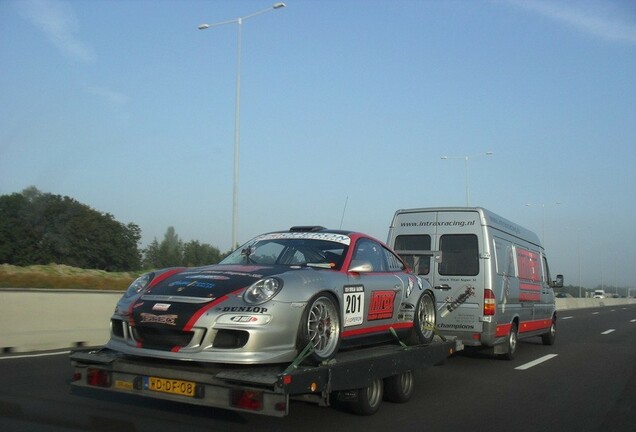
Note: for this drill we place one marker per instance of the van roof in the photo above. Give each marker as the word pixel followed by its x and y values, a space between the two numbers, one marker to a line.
pixel 487 218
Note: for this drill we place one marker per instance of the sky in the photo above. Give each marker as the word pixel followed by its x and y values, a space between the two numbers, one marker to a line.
pixel 346 110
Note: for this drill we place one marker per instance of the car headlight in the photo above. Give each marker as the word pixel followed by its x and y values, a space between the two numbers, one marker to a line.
pixel 262 291
pixel 139 284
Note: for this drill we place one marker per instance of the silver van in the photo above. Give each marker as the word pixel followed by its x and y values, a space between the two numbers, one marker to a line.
pixel 491 276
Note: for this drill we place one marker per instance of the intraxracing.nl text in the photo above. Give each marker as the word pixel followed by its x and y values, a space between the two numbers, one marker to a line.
pixel 438 224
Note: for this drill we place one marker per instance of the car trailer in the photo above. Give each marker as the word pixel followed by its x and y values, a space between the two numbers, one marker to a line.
pixel 358 379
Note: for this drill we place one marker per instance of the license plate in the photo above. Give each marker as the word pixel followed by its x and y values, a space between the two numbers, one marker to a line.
pixel 171 386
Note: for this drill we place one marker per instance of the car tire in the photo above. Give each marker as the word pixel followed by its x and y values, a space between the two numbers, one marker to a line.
pixel 424 320
pixel 320 326
pixel 511 343
pixel 399 388
pixel 368 399
pixel 549 337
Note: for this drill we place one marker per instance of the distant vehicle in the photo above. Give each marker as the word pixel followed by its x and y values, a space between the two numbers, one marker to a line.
pixel 278 294
pixel 492 272
pixel 599 294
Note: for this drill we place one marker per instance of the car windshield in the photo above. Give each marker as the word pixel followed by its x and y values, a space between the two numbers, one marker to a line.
pixel 318 251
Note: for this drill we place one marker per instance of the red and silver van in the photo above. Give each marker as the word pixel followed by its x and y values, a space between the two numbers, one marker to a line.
pixel 491 276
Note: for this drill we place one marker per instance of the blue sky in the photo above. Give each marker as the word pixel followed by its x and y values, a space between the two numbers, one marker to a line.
pixel 346 110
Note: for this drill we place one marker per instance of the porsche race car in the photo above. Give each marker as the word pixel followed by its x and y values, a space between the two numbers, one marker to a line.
pixel 280 293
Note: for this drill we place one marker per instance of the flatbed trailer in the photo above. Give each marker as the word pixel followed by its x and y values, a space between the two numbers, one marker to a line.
pixel 357 378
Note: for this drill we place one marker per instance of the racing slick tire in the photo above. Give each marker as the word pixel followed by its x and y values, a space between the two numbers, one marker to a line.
pixel 424 321
pixel 399 388
pixel 320 326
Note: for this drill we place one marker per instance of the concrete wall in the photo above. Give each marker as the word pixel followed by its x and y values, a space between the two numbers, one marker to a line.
pixel 37 320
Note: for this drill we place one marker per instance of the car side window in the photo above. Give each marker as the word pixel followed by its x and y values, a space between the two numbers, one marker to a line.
pixel 370 252
pixel 394 263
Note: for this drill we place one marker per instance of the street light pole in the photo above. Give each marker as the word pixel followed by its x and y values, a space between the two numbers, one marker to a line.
pixel 542 220
pixel 237 111
pixel 466 159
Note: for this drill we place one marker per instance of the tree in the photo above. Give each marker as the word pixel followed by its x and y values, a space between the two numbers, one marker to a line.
pixel 40 228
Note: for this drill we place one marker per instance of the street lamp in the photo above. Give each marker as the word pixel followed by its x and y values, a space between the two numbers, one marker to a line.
pixel 542 219
pixel 466 159
pixel 237 112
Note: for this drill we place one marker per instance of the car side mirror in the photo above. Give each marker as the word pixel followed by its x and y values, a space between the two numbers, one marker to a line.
pixel 558 282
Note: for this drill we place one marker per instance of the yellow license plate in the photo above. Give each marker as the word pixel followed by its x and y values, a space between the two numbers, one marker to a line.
pixel 172 386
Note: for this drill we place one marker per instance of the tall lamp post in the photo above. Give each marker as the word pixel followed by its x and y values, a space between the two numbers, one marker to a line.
pixel 237 112
pixel 542 219
pixel 466 159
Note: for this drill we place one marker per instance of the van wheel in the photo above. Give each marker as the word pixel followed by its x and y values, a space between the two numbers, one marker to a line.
pixel 399 388
pixel 368 399
pixel 548 338
pixel 511 343
pixel 424 321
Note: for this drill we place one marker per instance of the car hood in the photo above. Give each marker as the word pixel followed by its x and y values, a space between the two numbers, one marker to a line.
pixel 210 282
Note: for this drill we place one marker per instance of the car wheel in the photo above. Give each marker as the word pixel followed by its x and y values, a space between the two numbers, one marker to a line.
pixel 320 326
pixel 424 321
pixel 511 343
pixel 399 388
pixel 548 338
pixel 368 399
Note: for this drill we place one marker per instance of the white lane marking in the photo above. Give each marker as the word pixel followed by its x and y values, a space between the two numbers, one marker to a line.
pixel 35 355
pixel 634 320
pixel 608 331
pixel 569 317
pixel 536 362
pixel 594 313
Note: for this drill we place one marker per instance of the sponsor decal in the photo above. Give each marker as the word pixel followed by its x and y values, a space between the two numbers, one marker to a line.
pixel 381 305
pixel 249 309
pixel 159 319
pixel 161 307
pixel 406 312
pixel 243 318
pixel 338 238
pixel 191 284
pixel 409 287
pixel 353 305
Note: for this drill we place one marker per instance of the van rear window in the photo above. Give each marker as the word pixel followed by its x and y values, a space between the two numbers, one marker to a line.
pixel 460 255
pixel 421 265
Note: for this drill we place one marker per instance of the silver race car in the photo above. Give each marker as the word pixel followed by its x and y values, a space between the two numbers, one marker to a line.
pixel 307 289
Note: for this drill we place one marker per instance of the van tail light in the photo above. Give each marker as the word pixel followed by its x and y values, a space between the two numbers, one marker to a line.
pixel 489 302
pixel 98 377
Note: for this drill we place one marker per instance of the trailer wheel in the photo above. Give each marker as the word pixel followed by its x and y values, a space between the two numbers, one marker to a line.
pixel 399 388
pixel 548 338
pixel 368 399
pixel 424 322
pixel 511 343
pixel 320 325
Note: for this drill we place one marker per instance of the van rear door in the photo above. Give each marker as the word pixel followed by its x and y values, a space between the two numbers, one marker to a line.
pixel 459 237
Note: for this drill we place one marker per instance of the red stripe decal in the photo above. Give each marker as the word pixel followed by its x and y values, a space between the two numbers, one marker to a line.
pixel 377 329
pixel 165 275
pixel 528 326
pixel 205 308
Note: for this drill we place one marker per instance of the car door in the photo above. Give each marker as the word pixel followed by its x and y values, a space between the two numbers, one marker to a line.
pixel 374 294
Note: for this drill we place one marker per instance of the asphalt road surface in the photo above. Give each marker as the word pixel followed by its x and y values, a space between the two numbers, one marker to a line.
pixel 585 382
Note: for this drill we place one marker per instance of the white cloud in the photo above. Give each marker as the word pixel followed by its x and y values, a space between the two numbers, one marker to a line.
pixel 110 96
pixel 57 20
pixel 611 20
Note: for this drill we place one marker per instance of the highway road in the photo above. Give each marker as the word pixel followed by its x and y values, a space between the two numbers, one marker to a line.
pixel 585 382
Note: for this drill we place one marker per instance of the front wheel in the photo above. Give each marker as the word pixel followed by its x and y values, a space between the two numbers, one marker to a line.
pixel 548 338
pixel 424 321
pixel 511 343
pixel 320 326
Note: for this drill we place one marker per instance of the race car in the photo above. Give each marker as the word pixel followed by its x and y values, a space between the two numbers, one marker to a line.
pixel 308 289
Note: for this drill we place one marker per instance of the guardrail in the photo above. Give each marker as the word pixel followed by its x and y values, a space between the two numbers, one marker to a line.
pixel 43 319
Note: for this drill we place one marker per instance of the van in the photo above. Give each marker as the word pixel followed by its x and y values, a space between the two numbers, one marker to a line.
pixel 490 275
pixel 599 293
